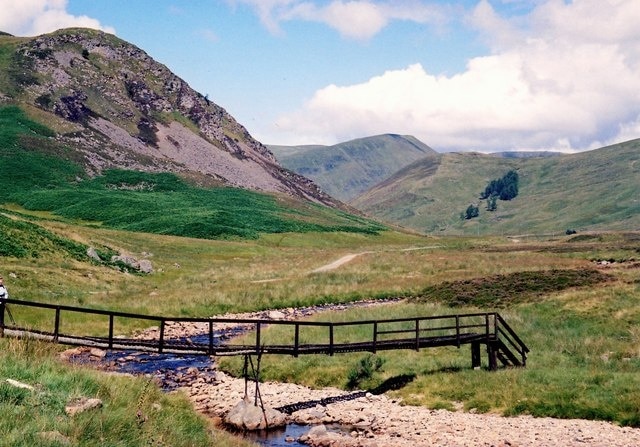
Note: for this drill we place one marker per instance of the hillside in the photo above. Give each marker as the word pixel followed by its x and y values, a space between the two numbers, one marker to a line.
pixel 112 106
pixel 92 129
pixel 348 169
pixel 37 176
pixel 594 190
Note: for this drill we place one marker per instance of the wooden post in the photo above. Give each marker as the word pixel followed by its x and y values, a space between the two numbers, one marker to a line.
pixel 56 329
pixel 417 334
pixel 486 322
pixel 375 335
pixel 493 356
pixel 257 338
pixel 296 341
pixel 110 331
pixel 210 337
pixel 331 339
pixel 161 341
pixel 475 355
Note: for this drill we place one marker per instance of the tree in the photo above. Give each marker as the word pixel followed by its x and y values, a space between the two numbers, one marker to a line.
pixel 471 212
pixel 505 188
pixel 492 204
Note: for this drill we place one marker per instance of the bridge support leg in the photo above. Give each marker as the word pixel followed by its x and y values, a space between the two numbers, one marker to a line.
pixel 475 355
pixel 492 352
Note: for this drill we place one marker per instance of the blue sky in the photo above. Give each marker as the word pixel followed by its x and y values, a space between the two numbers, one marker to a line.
pixel 460 75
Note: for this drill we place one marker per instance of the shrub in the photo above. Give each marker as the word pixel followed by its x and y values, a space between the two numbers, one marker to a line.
pixel 364 370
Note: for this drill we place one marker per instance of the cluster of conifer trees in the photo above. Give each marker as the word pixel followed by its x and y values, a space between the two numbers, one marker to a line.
pixel 505 188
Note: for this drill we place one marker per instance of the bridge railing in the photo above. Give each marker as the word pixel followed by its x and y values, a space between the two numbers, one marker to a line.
pixel 511 339
pixel 283 337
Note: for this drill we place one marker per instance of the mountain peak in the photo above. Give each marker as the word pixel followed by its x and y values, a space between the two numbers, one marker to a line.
pixel 347 169
pixel 116 107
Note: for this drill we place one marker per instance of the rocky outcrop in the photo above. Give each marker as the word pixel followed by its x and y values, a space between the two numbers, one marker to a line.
pixel 129 111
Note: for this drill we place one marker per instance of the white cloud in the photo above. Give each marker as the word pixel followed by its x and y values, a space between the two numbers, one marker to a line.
pixel 556 78
pixel 34 17
pixel 355 19
pixel 626 131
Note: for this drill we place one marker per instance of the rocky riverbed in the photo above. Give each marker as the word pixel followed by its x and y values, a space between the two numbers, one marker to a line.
pixel 371 420
pixel 368 420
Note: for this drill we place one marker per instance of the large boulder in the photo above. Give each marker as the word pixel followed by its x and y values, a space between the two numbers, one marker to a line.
pixel 249 417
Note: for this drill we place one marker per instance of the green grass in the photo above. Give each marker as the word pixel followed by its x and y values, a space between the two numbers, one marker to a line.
pixel 581 327
pixel 594 190
pixel 580 324
pixel 145 202
pixel 134 411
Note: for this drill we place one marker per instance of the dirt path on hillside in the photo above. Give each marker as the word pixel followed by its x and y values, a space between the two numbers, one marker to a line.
pixel 340 262
pixel 350 257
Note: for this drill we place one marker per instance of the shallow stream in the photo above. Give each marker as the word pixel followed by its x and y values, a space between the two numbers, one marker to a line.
pixel 166 367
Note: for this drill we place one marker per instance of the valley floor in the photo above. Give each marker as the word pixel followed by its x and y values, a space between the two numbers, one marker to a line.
pixel 378 420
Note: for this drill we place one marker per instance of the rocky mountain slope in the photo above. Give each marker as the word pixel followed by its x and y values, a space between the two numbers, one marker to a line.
pixel 113 106
pixel 348 169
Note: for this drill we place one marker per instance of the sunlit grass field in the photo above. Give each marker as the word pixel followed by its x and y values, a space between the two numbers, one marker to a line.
pixel 583 333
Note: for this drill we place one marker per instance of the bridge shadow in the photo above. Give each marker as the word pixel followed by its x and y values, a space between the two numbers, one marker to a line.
pixel 393 383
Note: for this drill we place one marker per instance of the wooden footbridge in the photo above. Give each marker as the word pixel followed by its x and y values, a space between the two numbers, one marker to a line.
pixel 55 323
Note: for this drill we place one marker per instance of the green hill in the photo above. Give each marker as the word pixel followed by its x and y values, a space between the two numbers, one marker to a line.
pixel 594 190
pixel 37 176
pixel 109 105
pixel 93 129
pixel 348 169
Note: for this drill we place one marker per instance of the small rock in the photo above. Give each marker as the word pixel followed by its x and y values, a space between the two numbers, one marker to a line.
pixel 19 384
pixel 93 254
pixel 246 416
pixel 99 353
pixel 81 405
pixel 276 315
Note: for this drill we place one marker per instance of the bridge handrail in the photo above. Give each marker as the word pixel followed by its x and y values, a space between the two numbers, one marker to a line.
pixel 489 324
pixel 511 337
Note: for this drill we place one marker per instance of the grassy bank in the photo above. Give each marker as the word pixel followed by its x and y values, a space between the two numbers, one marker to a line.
pixel 134 412
pixel 42 175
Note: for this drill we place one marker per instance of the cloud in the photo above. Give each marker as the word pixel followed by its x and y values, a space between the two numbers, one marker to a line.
pixel 549 82
pixel 34 17
pixel 355 19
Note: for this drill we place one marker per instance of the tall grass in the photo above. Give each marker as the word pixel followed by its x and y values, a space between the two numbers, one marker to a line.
pixel 134 411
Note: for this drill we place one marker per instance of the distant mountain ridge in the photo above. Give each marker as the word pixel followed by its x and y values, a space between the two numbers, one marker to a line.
pixel 347 169
pixel 113 106
pixel 593 190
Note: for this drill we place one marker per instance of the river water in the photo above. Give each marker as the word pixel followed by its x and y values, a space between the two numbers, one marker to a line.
pixel 165 367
